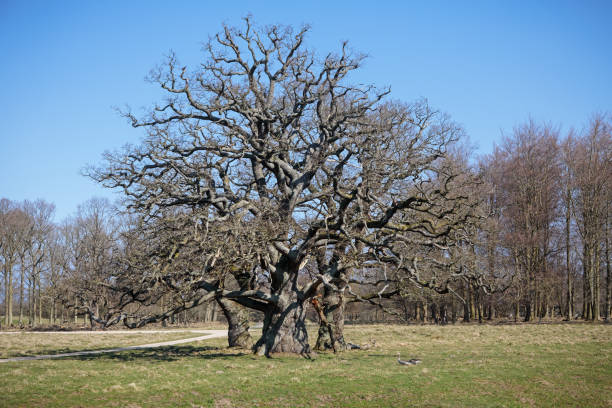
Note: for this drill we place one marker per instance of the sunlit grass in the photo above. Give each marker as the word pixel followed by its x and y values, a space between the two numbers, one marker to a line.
pixel 35 343
pixel 475 366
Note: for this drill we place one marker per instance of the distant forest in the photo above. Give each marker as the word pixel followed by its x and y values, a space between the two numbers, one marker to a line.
pixel 543 249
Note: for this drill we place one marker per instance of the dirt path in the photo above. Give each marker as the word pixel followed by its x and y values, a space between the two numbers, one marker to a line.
pixel 211 335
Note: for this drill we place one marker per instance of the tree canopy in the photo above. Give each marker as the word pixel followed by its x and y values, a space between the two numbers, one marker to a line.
pixel 267 157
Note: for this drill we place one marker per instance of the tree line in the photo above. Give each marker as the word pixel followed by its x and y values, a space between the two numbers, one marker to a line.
pixel 269 182
pixel 551 218
pixel 547 231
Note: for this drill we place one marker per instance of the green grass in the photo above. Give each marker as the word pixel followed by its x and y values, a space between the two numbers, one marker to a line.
pixel 20 344
pixel 469 366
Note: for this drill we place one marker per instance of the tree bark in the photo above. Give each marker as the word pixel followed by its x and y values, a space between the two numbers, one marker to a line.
pixel 479 306
pixel 585 282
pixel 333 311
pixel 9 296
pixel 75 311
pixel 527 317
pixel 467 303
pixel 434 313
pixel 568 220
pixel 238 323
pixel 207 312
pixel 30 306
pixel 607 255
pixel 284 326
pixel 21 273
pixel 473 302
pixel 213 313
pixel 8 278
pixel 34 304
pixel 591 284
pixel 40 307
pixel 530 303
pixel 517 311
pixel 596 285
pixel 443 314
pixel 5 296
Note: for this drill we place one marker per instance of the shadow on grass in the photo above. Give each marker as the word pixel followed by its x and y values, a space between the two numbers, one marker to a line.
pixel 167 353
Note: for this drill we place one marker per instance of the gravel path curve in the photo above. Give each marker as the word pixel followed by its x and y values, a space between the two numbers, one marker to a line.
pixel 211 335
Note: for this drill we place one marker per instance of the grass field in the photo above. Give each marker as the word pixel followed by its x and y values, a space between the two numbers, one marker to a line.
pixel 33 343
pixel 550 365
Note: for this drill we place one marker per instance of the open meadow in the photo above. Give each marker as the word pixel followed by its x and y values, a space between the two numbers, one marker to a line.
pixel 21 344
pixel 548 365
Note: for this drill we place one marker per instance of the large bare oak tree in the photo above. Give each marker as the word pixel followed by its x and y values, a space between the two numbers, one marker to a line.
pixel 272 158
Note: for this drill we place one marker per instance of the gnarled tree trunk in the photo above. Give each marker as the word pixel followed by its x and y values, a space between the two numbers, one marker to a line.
pixel 331 329
pixel 238 321
pixel 284 327
pixel 237 316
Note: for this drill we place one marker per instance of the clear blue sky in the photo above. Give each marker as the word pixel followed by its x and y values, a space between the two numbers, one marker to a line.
pixel 490 65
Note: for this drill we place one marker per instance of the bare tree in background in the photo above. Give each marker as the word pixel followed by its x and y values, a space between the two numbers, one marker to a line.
pixel 89 240
pixel 525 170
pixel 567 153
pixel 27 236
pixel 608 256
pixel 40 215
pixel 13 225
pixel 57 273
pixel 591 166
